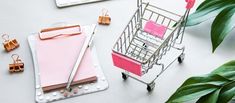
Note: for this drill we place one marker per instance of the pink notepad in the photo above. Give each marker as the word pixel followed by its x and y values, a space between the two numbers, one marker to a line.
pixel 56 59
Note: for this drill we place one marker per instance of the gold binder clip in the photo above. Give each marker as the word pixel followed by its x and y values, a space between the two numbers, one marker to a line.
pixel 17 66
pixel 8 44
pixel 104 19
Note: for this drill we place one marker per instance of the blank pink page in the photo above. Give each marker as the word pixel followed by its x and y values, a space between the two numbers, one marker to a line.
pixel 56 59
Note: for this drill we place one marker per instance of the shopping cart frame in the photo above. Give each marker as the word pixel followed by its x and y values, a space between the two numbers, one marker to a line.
pixel 172 41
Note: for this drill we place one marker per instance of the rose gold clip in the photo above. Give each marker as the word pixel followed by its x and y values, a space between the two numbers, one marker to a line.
pixel 8 44
pixel 105 18
pixel 73 30
pixel 17 66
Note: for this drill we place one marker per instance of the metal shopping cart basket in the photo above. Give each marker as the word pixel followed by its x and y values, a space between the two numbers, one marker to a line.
pixel 148 37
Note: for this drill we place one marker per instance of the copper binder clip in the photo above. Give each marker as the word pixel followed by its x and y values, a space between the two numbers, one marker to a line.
pixel 17 66
pixel 8 44
pixel 105 18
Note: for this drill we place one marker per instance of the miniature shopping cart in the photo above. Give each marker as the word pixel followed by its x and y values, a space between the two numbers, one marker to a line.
pixel 149 36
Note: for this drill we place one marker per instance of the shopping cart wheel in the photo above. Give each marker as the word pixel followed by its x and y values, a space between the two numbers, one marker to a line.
pixel 150 87
pixel 181 58
pixel 124 76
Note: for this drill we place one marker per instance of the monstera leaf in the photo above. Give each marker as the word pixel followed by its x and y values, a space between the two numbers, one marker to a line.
pixel 216 87
pixel 224 13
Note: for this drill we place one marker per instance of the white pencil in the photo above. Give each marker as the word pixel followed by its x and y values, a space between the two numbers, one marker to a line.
pixel 86 44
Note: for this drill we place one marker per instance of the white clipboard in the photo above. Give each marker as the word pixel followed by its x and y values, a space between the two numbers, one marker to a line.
pixel 41 97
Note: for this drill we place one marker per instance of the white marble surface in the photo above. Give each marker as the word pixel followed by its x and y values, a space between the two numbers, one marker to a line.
pixel 20 18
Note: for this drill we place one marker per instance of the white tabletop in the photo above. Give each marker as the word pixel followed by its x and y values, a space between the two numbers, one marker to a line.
pixel 20 18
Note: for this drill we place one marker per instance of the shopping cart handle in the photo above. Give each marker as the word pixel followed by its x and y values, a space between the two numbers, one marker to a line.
pixel 190 4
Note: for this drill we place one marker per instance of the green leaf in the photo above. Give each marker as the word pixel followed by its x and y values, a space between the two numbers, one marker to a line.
pixel 207 10
pixel 191 92
pixel 216 87
pixel 229 75
pixel 214 3
pixel 227 67
pixel 227 93
pixel 210 98
pixel 222 25
pixel 206 4
pixel 195 83
pixel 227 70
pixel 206 79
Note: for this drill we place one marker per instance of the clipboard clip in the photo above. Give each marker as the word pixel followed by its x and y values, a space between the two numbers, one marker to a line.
pixel 17 66
pixel 104 19
pixel 8 44
pixel 50 33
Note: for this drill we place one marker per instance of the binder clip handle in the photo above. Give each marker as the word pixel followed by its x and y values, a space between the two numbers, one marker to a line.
pixel 15 58
pixel 104 12
pixel 5 37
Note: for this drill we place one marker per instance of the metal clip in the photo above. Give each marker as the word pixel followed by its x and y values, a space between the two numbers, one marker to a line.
pixel 8 44
pixel 104 19
pixel 49 34
pixel 17 66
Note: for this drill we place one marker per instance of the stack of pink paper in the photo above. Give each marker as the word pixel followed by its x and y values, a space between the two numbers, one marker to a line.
pixel 57 56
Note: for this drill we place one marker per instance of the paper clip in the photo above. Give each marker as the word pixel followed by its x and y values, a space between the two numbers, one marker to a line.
pixel 17 66
pixel 104 19
pixel 8 44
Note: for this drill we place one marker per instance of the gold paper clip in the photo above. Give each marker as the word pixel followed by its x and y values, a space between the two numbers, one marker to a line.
pixel 104 19
pixel 17 66
pixel 8 44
